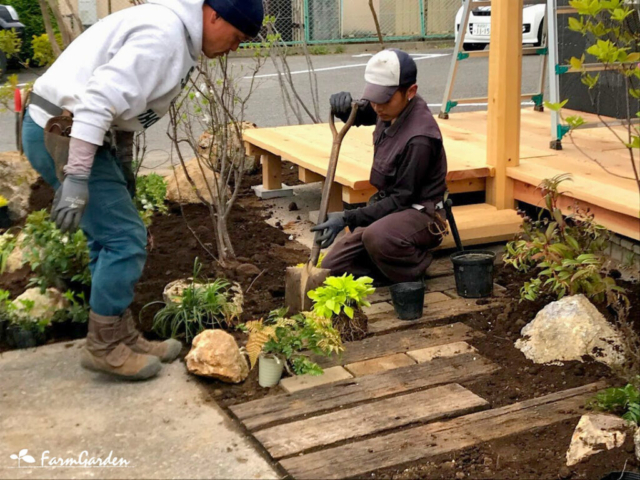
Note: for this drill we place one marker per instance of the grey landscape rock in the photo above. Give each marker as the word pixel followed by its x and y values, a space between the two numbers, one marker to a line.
pixel 45 305
pixel 216 354
pixel 568 330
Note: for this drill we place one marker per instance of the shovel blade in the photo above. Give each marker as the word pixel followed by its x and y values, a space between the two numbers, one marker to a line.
pixel 299 282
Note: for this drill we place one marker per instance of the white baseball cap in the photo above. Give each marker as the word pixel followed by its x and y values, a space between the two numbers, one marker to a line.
pixel 386 72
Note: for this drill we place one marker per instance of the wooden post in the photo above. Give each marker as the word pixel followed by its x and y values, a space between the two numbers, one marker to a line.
pixel 505 89
pixel 271 172
pixel 335 198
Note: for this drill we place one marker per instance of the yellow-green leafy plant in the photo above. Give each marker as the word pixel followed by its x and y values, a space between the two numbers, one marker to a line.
pixel 565 253
pixel 8 242
pixel 341 294
pixel 292 339
pixel 614 41
pixel 3 201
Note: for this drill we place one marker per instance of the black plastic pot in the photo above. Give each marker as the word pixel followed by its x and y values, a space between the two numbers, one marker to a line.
pixel 78 330
pixel 473 270
pixel 622 476
pixel 408 299
pixel 5 221
pixel 19 337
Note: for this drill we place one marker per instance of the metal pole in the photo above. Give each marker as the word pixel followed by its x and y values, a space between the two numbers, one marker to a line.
pixel 554 81
pixel 464 24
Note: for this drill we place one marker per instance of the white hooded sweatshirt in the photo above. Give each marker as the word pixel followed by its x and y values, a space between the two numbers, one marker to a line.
pixel 125 70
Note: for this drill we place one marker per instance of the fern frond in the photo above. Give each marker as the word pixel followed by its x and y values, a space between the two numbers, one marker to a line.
pixel 256 342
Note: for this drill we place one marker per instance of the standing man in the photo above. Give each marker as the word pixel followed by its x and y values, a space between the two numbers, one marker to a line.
pixel 391 237
pixel 118 77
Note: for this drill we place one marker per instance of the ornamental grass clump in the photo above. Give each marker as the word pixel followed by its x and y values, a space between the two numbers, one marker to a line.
pixel 341 299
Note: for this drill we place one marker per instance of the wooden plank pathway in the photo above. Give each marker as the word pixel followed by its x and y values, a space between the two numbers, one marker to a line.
pixel 404 401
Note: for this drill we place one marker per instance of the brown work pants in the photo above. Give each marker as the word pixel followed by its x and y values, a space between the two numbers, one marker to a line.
pixel 394 249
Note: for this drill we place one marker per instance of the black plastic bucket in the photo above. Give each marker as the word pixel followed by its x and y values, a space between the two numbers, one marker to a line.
pixel 473 270
pixel 408 299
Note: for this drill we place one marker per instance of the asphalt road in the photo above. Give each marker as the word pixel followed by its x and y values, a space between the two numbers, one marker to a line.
pixel 334 73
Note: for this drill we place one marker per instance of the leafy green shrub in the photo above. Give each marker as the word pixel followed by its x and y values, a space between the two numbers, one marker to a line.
pixel 31 16
pixel 42 51
pixel 10 43
pixel 319 50
pixel 565 253
pixel 151 196
pixel 200 306
pixel 76 312
pixel 290 338
pixel 57 259
pixel 341 294
pixel 623 401
pixel 339 49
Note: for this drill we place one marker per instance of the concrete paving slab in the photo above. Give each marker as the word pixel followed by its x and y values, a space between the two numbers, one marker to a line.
pixel 448 350
pixel 164 428
pixel 380 364
pixel 302 382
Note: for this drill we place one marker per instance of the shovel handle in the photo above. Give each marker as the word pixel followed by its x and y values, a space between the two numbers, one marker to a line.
pixel 331 174
pixel 452 223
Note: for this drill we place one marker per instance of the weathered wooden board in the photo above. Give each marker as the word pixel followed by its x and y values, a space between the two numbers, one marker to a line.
pixel 360 458
pixel 319 400
pixel 397 342
pixel 452 309
pixel 420 407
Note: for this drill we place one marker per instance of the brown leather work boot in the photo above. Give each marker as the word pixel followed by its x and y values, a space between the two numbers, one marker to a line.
pixel 166 351
pixel 105 351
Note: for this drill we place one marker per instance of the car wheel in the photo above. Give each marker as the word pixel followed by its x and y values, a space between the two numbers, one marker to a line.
pixel 3 65
pixel 471 47
pixel 539 44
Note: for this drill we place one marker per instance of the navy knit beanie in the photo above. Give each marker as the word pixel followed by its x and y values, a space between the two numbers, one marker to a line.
pixel 245 15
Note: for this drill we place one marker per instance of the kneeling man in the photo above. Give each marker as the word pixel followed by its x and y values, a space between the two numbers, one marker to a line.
pixel 391 237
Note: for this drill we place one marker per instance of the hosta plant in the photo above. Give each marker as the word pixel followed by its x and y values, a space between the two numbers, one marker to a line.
pixel 291 339
pixel 623 401
pixel 565 254
pixel 200 306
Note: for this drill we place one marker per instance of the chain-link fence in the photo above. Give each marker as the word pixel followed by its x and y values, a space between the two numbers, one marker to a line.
pixel 331 21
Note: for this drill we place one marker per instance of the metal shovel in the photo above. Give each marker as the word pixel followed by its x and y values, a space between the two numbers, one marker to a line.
pixel 301 280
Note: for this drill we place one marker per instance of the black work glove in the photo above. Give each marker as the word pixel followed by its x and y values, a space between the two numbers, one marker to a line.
pixel 341 104
pixel 69 202
pixel 130 177
pixel 330 229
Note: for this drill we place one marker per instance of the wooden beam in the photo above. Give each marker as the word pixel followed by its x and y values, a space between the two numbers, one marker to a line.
pixel 252 150
pixel 351 196
pixel 615 221
pixel 271 172
pixel 465 186
pixel 307 176
pixel 505 84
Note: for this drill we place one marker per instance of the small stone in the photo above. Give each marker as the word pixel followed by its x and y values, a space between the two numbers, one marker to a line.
pixel 460 475
pixel 291 237
pixel 293 207
pixel 247 270
pixel 564 473
pixel 595 433
pixel 215 354
pixel 520 323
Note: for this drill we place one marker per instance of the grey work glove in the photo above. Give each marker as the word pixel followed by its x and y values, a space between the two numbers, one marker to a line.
pixel 130 177
pixel 69 203
pixel 341 103
pixel 330 229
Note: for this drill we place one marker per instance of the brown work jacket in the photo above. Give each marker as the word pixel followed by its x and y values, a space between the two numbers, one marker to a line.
pixel 409 164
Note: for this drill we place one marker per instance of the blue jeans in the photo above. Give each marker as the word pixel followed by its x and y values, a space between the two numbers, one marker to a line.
pixel 116 236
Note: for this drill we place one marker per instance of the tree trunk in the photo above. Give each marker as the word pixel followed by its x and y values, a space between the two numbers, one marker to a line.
pixel 67 36
pixel 49 28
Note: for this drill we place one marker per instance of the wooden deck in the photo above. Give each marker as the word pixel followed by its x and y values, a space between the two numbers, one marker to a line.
pixel 614 200
pixel 399 397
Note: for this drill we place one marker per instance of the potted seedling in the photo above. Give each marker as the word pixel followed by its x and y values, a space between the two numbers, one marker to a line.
pixel 341 299
pixel 281 343
pixel 5 221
